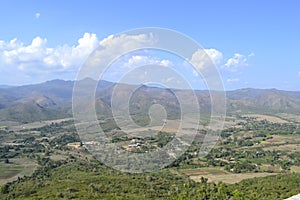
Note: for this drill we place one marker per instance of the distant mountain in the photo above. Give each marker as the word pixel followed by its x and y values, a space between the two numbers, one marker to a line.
pixel 52 99
pixel 30 112
pixel 38 99
pixel 265 100
pixel 6 86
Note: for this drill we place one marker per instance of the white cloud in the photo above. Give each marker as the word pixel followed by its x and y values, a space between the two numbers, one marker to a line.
pixel 74 56
pixel 37 15
pixel 251 55
pixel 40 59
pixel 18 53
pixel 125 42
pixel 37 59
pixel 205 58
pixel 215 55
pixel 201 60
pixel 232 80
pixel 137 60
pixel 166 63
pixel 195 73
pixel 38 55
pixel 114 47
pixel 210 62
pixel 236 62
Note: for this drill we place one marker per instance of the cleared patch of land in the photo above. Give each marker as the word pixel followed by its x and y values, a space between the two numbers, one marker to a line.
pixel 269 118
pixel 3 127
pixel 271 168
pixel 36 124
pixel 283 139
pixel 8 170
pixel 284 147
pixel 16 168
pixel 289 117
pixel 214 174
pixel 295 169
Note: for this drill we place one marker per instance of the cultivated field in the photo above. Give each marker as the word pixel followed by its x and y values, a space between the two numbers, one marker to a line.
pixel 215 174
pixel 269 118
pixel 18 167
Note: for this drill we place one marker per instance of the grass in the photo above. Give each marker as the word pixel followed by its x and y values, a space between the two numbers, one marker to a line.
pixel 18 167
pixel 3 127
pixel 8 170
pixel 270 168
pixel 295 169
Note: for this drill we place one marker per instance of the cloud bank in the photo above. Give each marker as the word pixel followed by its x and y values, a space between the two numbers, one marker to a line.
pixel 37 62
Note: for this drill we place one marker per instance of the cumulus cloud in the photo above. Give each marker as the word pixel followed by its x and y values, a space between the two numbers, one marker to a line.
pixel 236 62
pixel 111 49
pixel 215 55
pixel 37 15
pixel 38 58
pixel 251 55
pixel 205 58
pixel 232 80
pixel 137 60
pixel 66 56
pixel 201 60
pixel 15 52
pixel 37 54
pixel 210 62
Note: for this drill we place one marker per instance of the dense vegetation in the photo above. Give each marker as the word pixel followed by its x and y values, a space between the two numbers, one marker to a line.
pixel 91 180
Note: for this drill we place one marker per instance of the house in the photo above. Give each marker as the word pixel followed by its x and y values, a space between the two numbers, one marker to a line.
pixel 134 145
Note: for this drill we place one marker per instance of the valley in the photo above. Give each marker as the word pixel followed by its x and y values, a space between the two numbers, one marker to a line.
pixel 46 158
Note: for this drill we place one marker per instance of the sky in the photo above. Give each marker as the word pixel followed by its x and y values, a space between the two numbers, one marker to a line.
pixel 252 43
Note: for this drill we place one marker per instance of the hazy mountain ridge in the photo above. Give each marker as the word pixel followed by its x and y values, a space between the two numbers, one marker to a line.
pixel 52 99
pixel 266 99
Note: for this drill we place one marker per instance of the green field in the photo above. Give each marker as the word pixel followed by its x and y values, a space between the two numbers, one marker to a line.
pixel 8 171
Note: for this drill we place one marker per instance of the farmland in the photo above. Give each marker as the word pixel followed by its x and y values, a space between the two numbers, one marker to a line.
pixel 248 148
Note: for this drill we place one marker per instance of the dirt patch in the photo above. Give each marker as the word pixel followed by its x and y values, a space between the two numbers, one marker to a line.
pixel 284 147
pixel 269 118
pixel 17 168
pixel 290 117
pixel 295 169
pixel 220 175
pixel 8 171
pixel 230 178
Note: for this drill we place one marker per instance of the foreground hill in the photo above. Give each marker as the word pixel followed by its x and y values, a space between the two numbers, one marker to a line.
pixel 91 180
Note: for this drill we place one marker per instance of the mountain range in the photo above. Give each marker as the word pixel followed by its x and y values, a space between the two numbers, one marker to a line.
pixel 53 99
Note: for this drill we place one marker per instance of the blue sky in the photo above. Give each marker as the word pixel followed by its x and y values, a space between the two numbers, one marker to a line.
pixel 261 38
